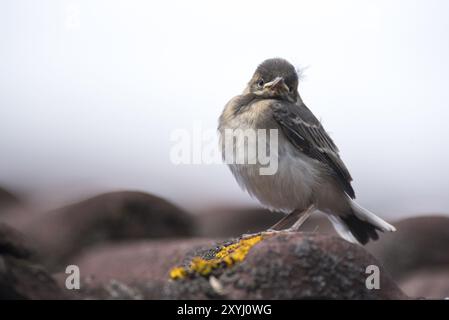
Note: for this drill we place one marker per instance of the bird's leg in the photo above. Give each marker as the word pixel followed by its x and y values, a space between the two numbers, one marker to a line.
pixel 285 221
pixel 279 226
pixel 303 217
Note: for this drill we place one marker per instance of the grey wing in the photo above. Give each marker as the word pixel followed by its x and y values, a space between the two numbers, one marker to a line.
pixel 305 132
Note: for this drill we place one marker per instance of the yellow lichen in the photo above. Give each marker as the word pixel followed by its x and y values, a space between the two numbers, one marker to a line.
pixel 203 266
pixel 237 252
pixel 178 273
pixel 227 256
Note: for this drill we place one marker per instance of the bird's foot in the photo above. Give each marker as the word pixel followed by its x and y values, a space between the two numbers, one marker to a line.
pixel 268 233
pixel 291 229
pixel 273 231
pixel 250 235
pixel 287 230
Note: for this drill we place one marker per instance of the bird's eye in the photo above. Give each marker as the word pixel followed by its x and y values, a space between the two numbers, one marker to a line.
pixel 260 83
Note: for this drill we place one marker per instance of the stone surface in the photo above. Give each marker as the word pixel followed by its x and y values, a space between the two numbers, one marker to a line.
pixel 417 255
pixel 283 266
pixel 126 243
pixel 13 243
pixel 21 277
pixel 134 270
pixel 293 266
pixel 7 200
pixel 112 217
pixel 418 243
pixel 430 283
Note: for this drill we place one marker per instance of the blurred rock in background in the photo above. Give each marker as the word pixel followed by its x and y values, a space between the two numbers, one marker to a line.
pixel 7 200
pixel 125 243
pixel 417 255
pixel 61 234
pixel 20 276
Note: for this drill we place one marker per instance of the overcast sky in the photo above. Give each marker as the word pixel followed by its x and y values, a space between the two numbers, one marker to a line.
pixel 90 92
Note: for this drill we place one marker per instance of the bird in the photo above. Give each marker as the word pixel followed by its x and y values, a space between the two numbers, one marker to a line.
pixel 310 175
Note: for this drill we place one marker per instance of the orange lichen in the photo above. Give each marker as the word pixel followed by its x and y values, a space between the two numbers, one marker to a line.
pixel 227 257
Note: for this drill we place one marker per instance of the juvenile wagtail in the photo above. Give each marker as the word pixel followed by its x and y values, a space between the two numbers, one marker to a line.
pixel 310 175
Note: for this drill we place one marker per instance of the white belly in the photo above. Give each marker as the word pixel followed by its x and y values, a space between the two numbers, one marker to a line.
pixel 290 187
pixel 299 180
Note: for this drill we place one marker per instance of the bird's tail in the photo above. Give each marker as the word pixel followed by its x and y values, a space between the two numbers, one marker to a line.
pixel 360 225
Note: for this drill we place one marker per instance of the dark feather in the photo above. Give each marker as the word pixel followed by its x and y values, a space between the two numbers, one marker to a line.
pixel 363 231
pixel 305 132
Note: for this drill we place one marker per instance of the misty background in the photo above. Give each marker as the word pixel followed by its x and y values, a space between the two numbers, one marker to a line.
pixel 90 92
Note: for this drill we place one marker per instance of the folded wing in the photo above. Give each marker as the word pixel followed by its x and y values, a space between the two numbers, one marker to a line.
pixel 306 133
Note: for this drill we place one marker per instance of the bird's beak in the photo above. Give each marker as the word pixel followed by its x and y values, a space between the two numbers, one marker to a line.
pixel 277 84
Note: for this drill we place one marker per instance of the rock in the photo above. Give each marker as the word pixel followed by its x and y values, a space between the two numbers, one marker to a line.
pixel 232 222
pixel 414 254
pixel 138 261
pixel 111 217
pixel 281 266
pixel 7 200
pixel 431 284
pixel 134 270
pixel 291 266
pixel 20 277
pixel 13 243
pixel 418 243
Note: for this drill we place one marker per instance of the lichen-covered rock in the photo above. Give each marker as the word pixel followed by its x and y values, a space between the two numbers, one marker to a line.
pixel 289 266
pixel 265 266
pixel 135 270
pixel 112 217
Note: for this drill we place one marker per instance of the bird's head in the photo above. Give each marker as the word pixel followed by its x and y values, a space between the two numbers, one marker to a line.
pixel 275 79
